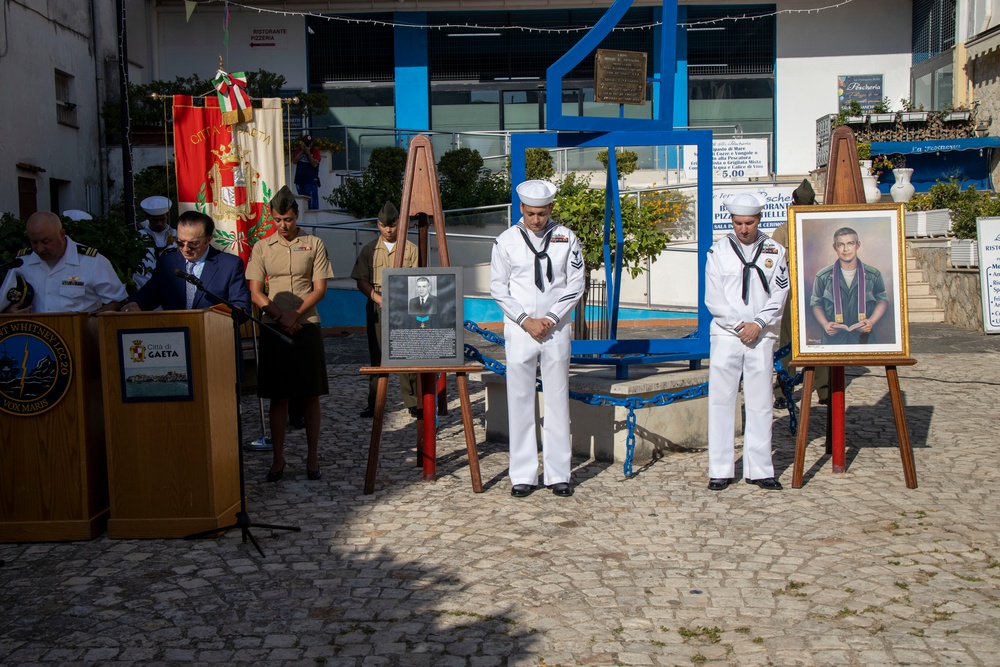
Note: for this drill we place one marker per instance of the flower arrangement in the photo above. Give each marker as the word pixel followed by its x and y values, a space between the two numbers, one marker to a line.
pixel 884 163
pixel 324 144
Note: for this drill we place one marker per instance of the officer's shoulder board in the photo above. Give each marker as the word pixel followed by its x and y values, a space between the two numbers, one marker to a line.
pixel 86 250
pixel 23 252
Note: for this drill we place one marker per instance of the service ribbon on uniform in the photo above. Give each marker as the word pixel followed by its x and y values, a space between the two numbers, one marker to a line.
pixel 233 98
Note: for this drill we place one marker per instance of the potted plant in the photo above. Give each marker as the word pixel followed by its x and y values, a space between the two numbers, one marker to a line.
pixel 958 114
pixel 912 113
pixel 882 113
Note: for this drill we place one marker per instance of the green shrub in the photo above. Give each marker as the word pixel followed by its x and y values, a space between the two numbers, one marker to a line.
pixel 539 164
pixel 381 181
pixel 466 183
pixel 965 205
pixel 627 161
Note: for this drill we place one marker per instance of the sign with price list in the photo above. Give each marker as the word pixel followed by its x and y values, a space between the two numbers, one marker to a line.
pixel 732 160
pixel 988 234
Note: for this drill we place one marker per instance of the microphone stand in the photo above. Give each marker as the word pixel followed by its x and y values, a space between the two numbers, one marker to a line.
pixel 243 521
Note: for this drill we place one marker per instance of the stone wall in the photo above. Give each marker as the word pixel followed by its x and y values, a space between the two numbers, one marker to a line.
pixel 984 74
pixel 957 289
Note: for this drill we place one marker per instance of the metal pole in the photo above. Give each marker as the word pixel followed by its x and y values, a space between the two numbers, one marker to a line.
pixel 126 127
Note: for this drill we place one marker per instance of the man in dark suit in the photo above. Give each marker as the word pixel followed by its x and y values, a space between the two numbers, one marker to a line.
pixel 219 272
pixel 424 303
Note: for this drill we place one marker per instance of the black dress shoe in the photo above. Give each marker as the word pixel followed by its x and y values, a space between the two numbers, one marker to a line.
pixel 521 490
pixel 769 483
pixel 314 474
pixel 779 403
pixel 415 412
pixel 562 489
pixel 719 483
pixel 275 475
pixel 368 412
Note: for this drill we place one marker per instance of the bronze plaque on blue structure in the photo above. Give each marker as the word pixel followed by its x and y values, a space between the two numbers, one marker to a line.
pixel 422 317
pixel 620 77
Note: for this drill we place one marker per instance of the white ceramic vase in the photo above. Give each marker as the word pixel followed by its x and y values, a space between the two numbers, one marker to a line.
pixel 902 189
pixel 872 194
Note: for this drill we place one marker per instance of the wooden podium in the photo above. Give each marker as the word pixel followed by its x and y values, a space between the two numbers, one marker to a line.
pixel 173 461
pixel 53 474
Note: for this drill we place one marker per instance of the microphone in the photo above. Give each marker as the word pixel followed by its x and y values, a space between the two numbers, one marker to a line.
pixel 189 277
pixel 12 264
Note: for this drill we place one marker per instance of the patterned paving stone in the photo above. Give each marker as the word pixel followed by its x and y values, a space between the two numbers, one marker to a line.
pixel 852 569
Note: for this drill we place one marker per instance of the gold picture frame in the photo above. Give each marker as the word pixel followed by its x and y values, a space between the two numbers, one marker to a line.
pixel 871 331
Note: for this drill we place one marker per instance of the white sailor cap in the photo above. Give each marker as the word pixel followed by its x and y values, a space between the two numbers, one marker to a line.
pixel 77 215
pixel 745 203
pixel 155 205
pixel 536 193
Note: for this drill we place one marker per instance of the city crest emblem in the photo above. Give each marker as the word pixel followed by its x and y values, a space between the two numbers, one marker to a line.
pixel 36 368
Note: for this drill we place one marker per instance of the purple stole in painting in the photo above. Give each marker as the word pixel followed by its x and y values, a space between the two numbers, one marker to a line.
pixel 838 306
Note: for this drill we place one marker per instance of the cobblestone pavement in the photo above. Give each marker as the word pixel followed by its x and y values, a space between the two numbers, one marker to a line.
pixel 852 569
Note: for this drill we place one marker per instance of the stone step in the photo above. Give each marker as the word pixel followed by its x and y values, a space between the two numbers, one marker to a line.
pixel 935 315
pixel 923 303
pixel 918 288
pixel 914 277
pixel 911 264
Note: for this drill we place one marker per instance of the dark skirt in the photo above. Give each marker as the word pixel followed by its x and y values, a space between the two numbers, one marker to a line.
pixel 292 371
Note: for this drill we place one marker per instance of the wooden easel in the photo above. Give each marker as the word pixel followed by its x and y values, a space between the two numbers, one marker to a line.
pixel 421 197
pixel 844 186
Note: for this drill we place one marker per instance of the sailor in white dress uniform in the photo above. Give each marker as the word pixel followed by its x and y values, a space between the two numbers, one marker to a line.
pixel 746 283
pixel 537 278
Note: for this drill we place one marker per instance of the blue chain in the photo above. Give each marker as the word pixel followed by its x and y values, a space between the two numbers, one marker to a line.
pixel 632 403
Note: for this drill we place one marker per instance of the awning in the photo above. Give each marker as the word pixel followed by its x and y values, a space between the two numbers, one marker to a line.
pixel 967 160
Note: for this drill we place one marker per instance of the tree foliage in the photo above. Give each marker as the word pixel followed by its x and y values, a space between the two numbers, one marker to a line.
pixel 642 228
pixel 381 181
pixel 124 247
pixel 965 205
pixel 145 110
pixel 625 160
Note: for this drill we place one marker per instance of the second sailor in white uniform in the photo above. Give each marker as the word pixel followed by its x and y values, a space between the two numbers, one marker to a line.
pixel 537 278
pixel 746 283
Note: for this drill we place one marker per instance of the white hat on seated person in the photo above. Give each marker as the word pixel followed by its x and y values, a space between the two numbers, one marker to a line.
pixel 745 203
pixel 155 205
pixel 536 193
pixel 76 215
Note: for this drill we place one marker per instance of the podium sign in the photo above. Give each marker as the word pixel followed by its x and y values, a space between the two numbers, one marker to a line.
pixel 53 473
pixel 173 465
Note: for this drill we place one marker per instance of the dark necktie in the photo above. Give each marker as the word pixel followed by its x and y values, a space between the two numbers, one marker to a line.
pixel 539 256
pixel 748 267
pixel 189 288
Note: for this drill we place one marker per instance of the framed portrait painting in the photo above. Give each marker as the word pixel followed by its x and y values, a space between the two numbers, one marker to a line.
pixel 848 293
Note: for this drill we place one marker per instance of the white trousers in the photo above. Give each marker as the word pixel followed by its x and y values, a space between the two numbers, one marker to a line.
pixel 729 359
pixel 523 355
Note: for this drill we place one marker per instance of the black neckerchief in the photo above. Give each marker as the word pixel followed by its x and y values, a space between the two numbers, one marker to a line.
pixel 539 256
pixel 748 267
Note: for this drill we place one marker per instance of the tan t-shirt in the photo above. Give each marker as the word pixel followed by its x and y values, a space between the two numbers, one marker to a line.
pixel 290 268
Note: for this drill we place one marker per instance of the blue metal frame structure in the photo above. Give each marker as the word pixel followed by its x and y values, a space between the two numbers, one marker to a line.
pixel 612 133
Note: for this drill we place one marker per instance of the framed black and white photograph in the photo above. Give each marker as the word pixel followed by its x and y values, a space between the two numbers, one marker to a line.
pixel 155 365
pixel 848 293
pixel 422 317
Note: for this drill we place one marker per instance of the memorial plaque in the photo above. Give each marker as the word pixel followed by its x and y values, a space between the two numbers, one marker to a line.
pixel 620 77
pixel 422 312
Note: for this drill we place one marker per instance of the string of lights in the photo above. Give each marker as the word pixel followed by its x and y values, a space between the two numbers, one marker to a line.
pixel 530 29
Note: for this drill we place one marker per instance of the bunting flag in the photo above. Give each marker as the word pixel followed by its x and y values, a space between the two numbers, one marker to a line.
pixel 233 98
pixel 189 7
pixel 229 172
